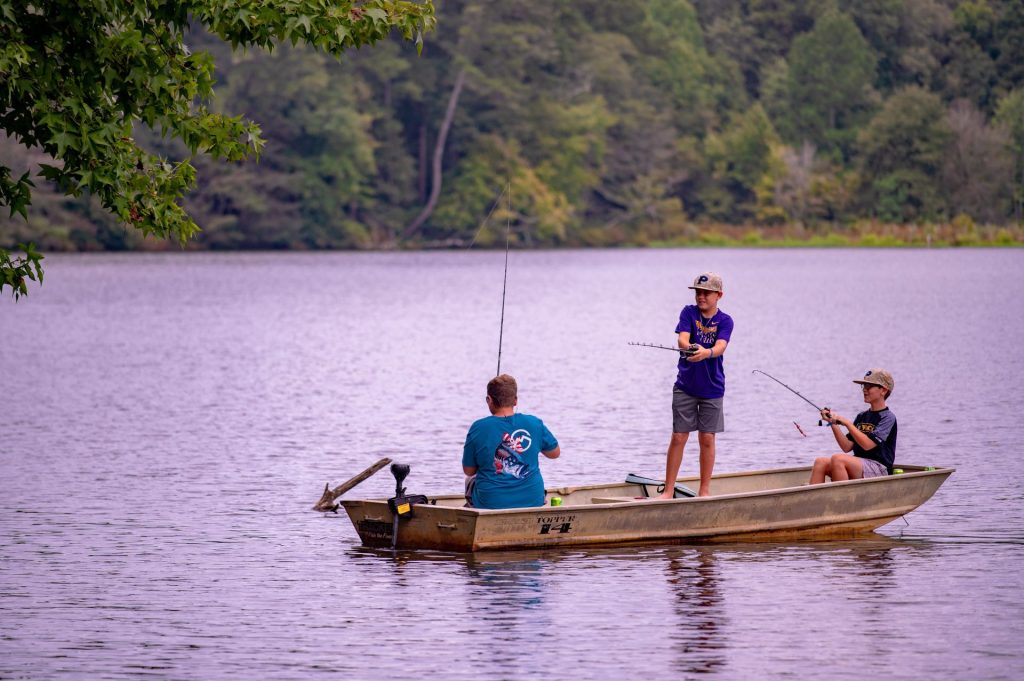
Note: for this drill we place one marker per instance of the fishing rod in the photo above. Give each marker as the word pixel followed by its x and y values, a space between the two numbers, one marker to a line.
pixel 504 282
pixel 820 409
pixel 758 371
pixel 691 349
pixel 506 190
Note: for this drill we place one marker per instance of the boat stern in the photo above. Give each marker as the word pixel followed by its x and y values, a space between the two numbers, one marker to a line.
pixel 431 526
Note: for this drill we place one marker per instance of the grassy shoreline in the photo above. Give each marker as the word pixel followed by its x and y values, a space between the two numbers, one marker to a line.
pixel 960 233
pixel 957 234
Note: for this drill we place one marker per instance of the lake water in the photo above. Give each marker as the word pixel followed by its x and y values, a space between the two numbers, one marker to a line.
pixel 169 420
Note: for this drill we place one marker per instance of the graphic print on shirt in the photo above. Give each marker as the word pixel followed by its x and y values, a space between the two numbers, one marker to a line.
pixel 506 456
pixel 706 333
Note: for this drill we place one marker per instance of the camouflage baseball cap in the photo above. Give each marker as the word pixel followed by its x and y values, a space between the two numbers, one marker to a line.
pixel 877 377
pixel 709 281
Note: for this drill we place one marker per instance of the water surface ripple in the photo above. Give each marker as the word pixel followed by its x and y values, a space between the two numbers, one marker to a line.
pixel 169 419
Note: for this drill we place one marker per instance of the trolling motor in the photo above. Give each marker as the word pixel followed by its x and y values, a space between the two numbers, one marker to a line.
pixel 401 504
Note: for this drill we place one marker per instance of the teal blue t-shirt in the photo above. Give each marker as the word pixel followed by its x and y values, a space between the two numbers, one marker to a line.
pixel 505 451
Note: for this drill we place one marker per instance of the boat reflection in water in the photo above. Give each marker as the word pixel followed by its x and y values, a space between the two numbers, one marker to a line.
pixel 693 575
pixel 714 608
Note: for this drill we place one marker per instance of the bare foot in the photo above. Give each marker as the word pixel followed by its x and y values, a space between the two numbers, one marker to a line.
pixel 665 495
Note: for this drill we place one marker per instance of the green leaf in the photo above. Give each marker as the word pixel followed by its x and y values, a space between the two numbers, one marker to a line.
pixel 129 67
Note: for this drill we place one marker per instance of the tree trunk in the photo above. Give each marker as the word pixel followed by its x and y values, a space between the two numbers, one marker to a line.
pixel 442 135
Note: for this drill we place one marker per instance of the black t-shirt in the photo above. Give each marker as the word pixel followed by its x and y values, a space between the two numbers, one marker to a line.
pixel 880 426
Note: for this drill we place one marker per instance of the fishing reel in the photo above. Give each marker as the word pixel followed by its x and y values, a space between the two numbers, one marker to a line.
pixel 689 351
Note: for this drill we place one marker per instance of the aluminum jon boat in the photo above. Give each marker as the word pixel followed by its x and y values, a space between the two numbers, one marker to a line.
pixel 774 504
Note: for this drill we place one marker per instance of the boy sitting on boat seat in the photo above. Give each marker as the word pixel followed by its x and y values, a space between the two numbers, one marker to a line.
pixel 871 436
pixel 501 454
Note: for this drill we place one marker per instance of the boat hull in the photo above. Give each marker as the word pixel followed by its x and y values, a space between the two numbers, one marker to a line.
pixel 759 505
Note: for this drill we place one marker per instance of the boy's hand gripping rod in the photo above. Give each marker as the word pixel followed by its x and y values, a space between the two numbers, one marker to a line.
pixel 826 409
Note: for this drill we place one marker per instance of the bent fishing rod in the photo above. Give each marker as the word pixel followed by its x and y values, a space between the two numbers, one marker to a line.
pixel 758 371
pixel 820 409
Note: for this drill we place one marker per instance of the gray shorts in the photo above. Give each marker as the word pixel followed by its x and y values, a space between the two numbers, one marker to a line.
pixel 873 469
pixel 694 413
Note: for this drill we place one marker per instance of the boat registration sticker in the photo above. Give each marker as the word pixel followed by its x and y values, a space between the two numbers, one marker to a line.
pixel 561 524
pixel 403 509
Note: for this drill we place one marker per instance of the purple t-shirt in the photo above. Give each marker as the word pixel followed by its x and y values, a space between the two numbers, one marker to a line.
pixel 706 379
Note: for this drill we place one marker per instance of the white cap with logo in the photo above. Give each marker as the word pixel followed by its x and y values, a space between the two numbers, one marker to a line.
pixel 877 377
pixel 709 281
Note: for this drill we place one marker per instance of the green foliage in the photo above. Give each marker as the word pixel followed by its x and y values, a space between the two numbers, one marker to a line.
pixel 965 231
pixel 318 161
pixel 1004 237
pixel 904 195
pixel 831 70
pixel 16 270
pixel 1010 115
pixel 902 152
pixel 911 40
pixel 632 122
pixel 75 79
pixel 799 186
pixel 702 89
pixel 880 241
pixel 739 157
pixel 537 214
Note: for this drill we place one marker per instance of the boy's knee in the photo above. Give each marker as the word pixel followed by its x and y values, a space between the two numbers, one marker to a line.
pixel 679 438
pixel 838 462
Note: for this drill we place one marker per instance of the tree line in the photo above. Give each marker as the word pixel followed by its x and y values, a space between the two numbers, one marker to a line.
pixel 630 122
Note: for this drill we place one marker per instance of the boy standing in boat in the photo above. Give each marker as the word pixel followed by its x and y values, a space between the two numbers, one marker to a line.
pixel 501 454
pixel 871 436
pixel 699 391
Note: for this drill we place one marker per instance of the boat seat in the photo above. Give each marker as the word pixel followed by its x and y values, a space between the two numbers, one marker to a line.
pixel 680 490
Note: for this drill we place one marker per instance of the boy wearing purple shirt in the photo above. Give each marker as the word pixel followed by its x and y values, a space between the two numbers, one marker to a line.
pixel 699 391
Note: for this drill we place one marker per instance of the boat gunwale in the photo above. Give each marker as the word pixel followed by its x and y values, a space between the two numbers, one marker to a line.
pixel 489 512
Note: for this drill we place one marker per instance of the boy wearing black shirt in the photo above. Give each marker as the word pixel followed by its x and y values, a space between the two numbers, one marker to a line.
pixel 871 436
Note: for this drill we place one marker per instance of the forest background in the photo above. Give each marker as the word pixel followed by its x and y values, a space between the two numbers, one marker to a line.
pixel 822 122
